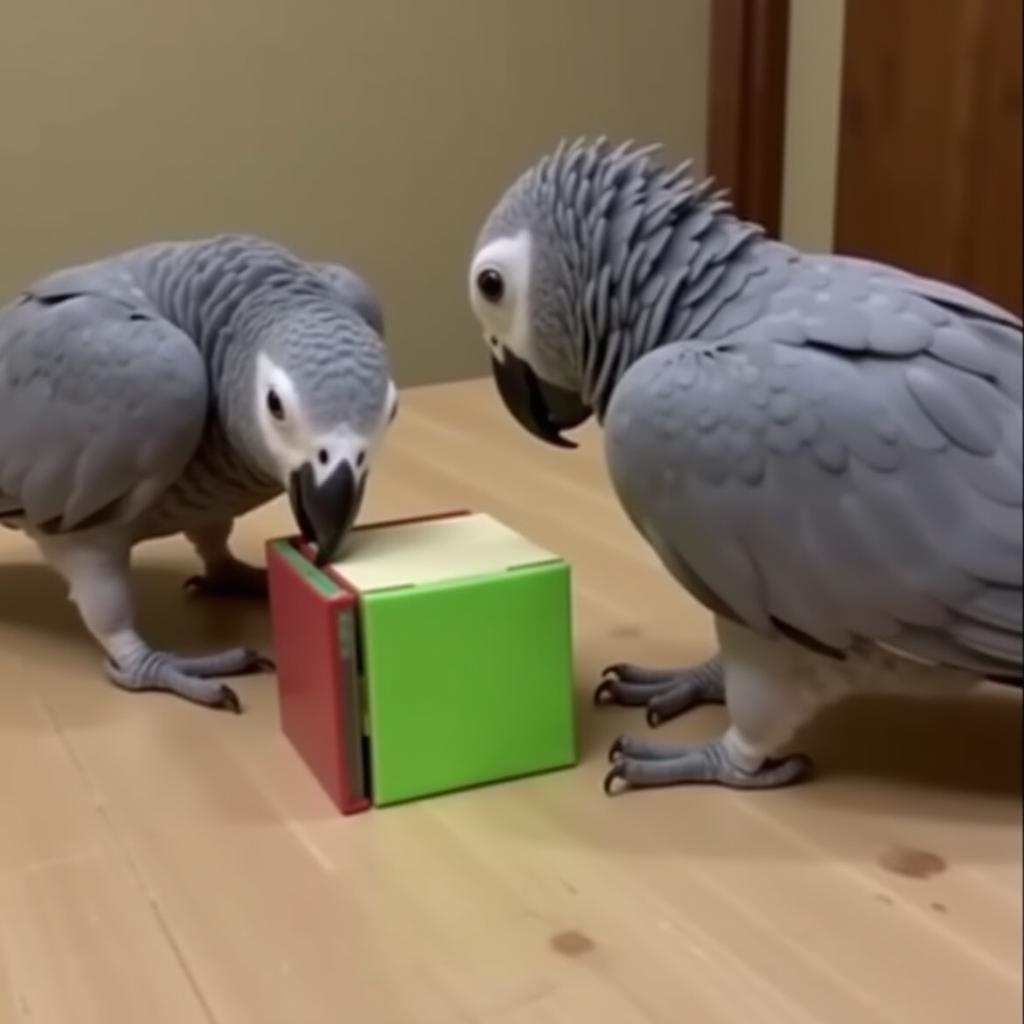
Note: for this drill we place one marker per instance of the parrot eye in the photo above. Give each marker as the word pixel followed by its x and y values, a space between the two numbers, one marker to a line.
pixel 274 405
pixel 491 285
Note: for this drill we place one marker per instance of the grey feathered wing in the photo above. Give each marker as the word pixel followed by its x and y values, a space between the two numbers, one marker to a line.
pixel 849 466
pixel 102 402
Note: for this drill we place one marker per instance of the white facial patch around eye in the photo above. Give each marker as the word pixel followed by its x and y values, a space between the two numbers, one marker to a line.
pixel 288 438
pixel 506 320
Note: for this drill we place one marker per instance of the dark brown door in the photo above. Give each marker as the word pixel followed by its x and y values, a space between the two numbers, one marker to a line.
pixel 929 173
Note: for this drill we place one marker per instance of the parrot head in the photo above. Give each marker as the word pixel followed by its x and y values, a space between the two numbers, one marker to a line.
pixel 324 398
pixel 566 270
pixel 520 294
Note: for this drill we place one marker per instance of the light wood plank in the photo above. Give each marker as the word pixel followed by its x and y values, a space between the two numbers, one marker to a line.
pixel 83 946
pixel 79 938
pixel 535 901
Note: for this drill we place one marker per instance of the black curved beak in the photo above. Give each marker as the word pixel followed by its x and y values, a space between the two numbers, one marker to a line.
pixel 325 511
pixel 541 408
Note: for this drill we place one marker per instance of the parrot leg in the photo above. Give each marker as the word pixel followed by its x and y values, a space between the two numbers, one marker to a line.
pixel 772 688
pixel 97 572
pixel 225 575
pixel 665 693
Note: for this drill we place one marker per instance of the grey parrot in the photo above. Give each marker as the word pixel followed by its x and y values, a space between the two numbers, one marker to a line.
pixel 824 451
pixel 171 389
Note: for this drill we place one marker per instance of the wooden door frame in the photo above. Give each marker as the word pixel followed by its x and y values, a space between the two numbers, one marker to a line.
pixel 746 126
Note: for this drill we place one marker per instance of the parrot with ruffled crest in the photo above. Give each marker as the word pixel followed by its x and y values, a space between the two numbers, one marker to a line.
pixel 824 451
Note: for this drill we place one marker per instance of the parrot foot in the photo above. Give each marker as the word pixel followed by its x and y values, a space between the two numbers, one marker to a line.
pixel 640 764
pixel 665 693
pixel 232 578
pixel 189 677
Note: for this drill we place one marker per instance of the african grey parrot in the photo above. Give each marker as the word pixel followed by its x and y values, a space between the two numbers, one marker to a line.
pixel 170 389
pixel 825 452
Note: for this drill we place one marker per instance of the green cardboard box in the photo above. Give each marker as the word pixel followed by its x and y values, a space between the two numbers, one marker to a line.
pixel 436 656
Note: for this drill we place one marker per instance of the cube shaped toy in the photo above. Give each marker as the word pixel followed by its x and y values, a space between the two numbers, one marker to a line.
pixel 436 656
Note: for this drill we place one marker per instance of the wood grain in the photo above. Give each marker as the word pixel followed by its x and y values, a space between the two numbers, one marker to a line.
pixel 162 860
pixel 749 45
pixel 930 140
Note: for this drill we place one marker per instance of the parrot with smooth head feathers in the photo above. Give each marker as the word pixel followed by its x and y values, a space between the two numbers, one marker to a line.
pixel 825 452
pixel 171 389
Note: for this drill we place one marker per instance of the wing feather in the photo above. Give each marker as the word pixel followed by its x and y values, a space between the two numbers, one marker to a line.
pixel 101 405
pixel 837 486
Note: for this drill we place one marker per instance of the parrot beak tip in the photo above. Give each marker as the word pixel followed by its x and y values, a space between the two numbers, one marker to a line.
pixel 542 409
pixel 325 510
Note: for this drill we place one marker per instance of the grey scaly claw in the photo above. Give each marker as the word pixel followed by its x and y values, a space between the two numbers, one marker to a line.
pixel 614 775
pixel 641 765
pixel 169 679
pixel 628 686
pixel 193 678
pixel 228 700
pixel 236 661
pixel 664 693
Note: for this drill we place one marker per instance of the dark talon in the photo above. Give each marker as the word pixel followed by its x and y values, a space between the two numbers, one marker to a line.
pixel 610 779
pixel 263 664
pixel 229 700
pixel 615 750
pixel 653 717
pixel 603 694
pixel 194 585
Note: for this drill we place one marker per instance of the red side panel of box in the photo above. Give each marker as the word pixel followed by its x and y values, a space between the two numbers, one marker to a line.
pixel 305 638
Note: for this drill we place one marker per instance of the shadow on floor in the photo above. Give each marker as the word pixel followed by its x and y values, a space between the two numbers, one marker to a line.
pixel 34 598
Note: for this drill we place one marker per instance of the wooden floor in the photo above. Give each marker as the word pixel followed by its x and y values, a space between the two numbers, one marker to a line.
pixel 163 862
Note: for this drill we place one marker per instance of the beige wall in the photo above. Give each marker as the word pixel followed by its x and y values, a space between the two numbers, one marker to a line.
pixel 376 132
pixel 812 122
